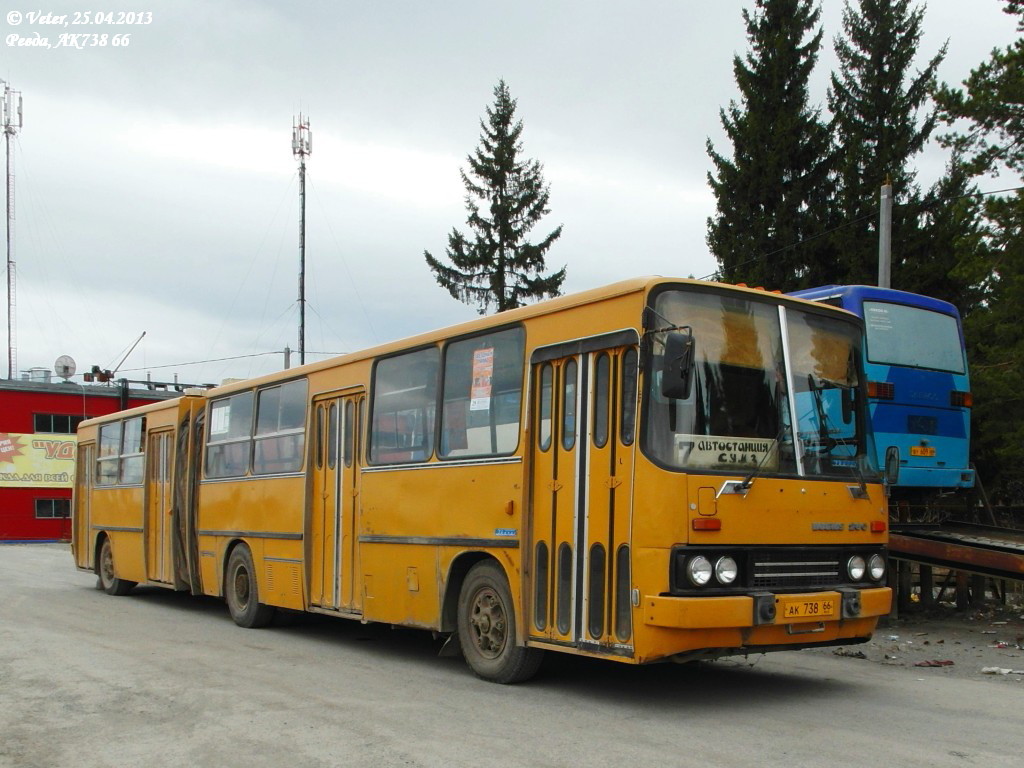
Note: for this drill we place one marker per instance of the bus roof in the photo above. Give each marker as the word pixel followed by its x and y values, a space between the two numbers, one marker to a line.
pixel 139 410
pixel 550 306
pixel 859 293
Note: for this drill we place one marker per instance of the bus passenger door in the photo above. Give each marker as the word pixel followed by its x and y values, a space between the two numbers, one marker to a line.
pixel 583 411
pixel 158 507
pixel 334 501
pixel 606 607
pixel 83 501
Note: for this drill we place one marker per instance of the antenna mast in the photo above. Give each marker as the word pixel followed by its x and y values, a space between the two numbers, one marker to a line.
pixel 11 117
pixel 302 145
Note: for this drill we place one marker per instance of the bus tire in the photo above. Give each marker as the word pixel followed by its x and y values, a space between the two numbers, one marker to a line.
pixel 487 628
pixel 108 582
pixel 241 592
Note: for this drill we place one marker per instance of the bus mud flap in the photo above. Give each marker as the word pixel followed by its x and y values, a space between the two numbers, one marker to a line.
pixel 452 648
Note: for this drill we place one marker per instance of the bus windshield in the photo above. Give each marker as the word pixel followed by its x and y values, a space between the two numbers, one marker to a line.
pixel 895 332
pixel 755 365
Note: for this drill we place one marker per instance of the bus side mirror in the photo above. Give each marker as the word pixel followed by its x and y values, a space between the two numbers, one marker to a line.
pixel 677 373
pixel 892 465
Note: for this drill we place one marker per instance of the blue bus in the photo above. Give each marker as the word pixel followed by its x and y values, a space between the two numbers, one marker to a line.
pixel 919 395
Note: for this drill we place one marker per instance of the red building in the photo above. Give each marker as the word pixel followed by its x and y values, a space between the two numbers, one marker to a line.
pixel 38 421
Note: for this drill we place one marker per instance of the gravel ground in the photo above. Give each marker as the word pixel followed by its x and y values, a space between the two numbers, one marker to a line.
pixel 980 643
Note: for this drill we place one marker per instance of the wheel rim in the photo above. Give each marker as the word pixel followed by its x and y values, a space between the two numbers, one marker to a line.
pixel 488 622
pixel 241 581
pixel 106 564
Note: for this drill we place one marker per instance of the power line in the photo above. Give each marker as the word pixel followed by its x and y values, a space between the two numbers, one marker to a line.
pixel 201 362
pixel 223 359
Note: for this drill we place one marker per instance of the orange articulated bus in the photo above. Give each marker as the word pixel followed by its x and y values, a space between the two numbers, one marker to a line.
pixel 656 470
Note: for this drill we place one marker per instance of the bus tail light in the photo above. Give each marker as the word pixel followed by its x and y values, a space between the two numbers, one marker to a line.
pixel 878 526
pixel 961 399
pixel 707 524
pixel 884 390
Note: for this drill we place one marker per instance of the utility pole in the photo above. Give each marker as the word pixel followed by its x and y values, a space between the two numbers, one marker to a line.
pixel 885 237
pixel 11 117
pixel 302 145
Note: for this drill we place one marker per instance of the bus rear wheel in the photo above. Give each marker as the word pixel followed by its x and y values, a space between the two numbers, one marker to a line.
pixel 108 582
pixel 487 628
pixel 242 594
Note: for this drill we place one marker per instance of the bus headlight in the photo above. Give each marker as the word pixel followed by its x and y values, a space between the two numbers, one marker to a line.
pixel 855 568
pixel 699 570
pixel 876 567
pixel 726 570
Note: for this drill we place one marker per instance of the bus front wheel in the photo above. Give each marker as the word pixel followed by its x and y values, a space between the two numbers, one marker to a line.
pixel 242 593
pixel 108 582
pixel 487 629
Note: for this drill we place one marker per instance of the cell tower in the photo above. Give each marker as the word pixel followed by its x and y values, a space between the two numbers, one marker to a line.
pixel 11 118
pixel 302 145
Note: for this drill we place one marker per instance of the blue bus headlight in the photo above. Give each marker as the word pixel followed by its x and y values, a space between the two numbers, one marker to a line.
pixel 876 567
pixel 699 570
pixel 726 570
pixel 856 567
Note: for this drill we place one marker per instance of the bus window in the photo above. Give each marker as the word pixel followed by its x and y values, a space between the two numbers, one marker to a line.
pixel 107 460
pixel 733 417
pixel 894 333
pixel 121 459
pixel 569 406
pixel 601 395
pixel 404 402
pixel 319 450
pixel 349 433
pixel 131 451
pixel 483 387
pixel 280 433
pixel 544 432
pixel 824 373
pixel 229 444
pixel 332 437
pixel 627 422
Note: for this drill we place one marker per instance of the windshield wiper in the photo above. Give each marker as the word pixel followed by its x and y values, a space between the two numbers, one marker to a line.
pixel 825 439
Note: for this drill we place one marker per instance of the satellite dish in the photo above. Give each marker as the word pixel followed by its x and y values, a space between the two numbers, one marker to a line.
pixel 65 367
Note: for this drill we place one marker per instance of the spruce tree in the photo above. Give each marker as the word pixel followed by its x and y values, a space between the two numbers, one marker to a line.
pixel 991 110
pixel 881 120
pixel 945 245
pixel 772 195
pixel 505 197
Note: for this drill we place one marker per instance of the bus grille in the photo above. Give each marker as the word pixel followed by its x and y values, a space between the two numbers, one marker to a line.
pixel 781 570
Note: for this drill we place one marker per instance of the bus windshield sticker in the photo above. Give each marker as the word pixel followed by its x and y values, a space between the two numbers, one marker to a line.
pixel 720 452
pixel 483 371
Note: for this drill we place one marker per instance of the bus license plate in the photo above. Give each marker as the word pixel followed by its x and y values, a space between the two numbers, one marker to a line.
pixel 922 450
pixel 794 609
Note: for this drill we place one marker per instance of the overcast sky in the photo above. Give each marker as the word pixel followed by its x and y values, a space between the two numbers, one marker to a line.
pixel 156 189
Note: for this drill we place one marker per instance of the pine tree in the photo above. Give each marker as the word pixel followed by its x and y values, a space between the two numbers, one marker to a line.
pixel 881 120
pixel 772 195
pixel 948 241
pixel 995 347
pixel 992 105
pixel 505 197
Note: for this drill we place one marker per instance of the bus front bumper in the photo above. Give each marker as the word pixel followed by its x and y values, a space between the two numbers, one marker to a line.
pixel 797 613
pixel 934 477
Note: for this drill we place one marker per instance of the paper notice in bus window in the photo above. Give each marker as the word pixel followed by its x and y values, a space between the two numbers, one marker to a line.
pixel 220 420
pixel 719 452
pixel 483 372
